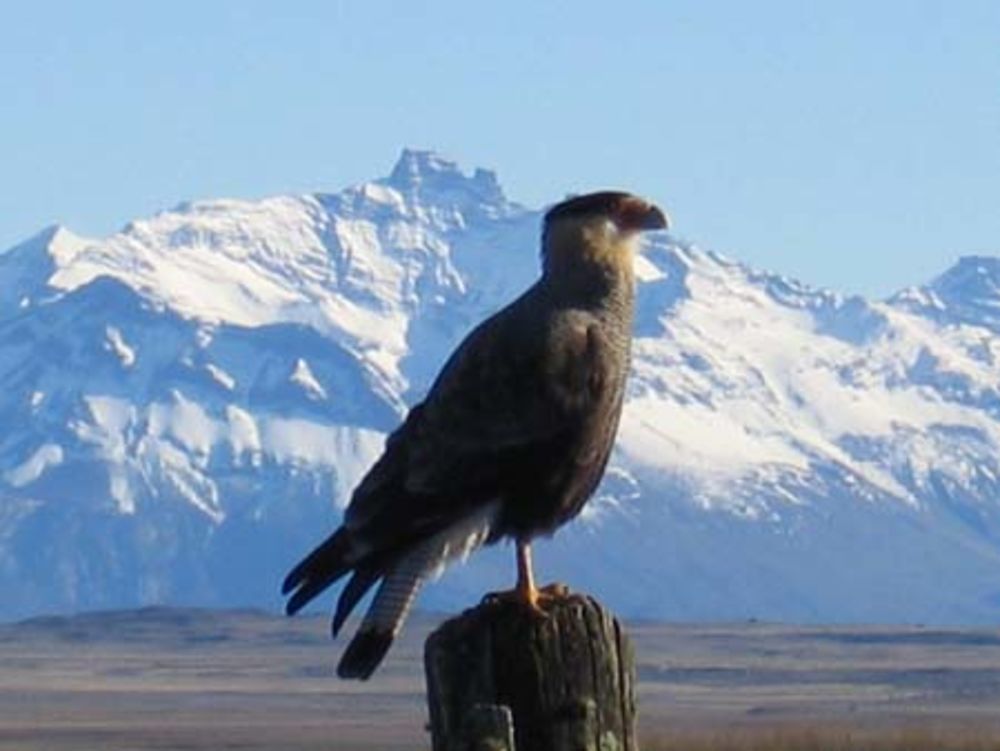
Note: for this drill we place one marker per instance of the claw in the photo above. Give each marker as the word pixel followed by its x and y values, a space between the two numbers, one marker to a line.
pixel 555 591
pixel 525 592
pixel 533 598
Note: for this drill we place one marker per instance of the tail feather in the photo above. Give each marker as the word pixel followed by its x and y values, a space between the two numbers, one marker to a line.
pixel 364 654
pixel 359 584
pixel 402 571
pixel 318 570
pixel 384 618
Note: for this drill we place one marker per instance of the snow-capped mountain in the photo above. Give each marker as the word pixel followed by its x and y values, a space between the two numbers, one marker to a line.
pixel 189 402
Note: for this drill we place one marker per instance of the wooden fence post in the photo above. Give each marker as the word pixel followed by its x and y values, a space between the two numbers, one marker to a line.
pixel 500 677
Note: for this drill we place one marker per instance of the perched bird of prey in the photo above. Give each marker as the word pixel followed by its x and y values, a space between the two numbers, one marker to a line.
pixel 511 440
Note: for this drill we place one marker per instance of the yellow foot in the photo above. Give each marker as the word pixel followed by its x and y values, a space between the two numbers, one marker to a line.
pixel 534 599
pixel 554 591
pixel 539 599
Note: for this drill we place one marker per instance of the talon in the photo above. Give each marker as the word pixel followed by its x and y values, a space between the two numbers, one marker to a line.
pixel 532 598
pixel 525 592
pixel 555 591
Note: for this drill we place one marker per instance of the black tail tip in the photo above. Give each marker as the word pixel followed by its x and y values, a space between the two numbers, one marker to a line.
pixel 299 600
pixel 364 654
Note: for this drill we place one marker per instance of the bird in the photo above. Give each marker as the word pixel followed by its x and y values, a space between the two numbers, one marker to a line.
pixel 510 441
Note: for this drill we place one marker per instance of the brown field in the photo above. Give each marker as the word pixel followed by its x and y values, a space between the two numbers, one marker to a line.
pixel 190 679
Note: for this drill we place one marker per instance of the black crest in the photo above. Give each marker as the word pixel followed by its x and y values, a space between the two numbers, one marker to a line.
pixel 606 202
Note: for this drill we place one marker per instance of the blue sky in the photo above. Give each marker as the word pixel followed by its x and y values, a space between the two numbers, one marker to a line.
pixel 850 144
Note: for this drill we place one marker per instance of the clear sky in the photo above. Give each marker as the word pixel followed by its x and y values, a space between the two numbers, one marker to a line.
pixel 850 144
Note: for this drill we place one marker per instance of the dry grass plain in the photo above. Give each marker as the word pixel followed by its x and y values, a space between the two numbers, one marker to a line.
pixel 199 680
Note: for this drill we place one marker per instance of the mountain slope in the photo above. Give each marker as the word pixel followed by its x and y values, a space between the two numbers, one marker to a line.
pixel 190 401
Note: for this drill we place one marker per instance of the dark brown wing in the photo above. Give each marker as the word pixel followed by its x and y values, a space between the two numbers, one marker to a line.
pixel 521 396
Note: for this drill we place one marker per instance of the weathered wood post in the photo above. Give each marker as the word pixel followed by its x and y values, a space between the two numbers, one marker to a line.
pixel 500 678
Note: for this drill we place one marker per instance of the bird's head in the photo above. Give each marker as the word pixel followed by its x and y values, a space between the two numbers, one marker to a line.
pixel 599 229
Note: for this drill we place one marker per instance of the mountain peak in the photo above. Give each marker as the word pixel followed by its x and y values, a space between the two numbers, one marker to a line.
pixel 26 268
pixel 415 165
pixel 973 286
pixel 47 235
pixel 53 235
pixel 975 275
pixel 968 292
pixel 420 169
pixel 54 239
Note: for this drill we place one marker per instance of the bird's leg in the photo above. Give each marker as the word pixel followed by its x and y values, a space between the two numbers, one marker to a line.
pixel 526 580
pixel 525 588
pixel 525 592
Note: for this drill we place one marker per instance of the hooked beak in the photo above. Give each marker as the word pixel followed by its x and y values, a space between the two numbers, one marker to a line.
pixel 654 218
pixel 637 215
